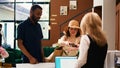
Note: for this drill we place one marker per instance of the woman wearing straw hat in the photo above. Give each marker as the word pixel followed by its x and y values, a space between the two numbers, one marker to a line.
pixel 68 44
pixel 71 39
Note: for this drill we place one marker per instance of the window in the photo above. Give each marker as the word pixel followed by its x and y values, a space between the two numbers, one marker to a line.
pixel 12 13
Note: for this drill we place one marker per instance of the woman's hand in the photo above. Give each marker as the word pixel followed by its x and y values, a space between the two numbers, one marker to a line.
pixel 65 43
pixel 73 45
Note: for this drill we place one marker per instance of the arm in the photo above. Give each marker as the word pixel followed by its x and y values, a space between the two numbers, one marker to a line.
pixel 43 57
pixel 63 41
pixel 83 49
pixel 26 53
pixel 41 37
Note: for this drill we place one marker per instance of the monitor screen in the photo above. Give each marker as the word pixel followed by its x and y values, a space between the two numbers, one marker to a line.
pixel 65 62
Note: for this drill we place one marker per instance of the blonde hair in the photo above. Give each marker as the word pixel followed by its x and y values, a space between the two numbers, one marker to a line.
pixel 91 23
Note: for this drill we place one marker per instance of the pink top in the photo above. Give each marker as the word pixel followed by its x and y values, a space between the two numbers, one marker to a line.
pixel 3 52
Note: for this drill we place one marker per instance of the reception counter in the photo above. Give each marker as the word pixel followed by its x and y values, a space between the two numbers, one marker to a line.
pixel 109 62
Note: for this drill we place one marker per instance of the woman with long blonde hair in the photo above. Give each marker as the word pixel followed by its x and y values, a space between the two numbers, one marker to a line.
pixel 93 46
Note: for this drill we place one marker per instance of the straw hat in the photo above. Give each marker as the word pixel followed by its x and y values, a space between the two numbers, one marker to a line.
pixel 74 24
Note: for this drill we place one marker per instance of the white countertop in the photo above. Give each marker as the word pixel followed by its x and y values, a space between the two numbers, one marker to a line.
pixel 40 65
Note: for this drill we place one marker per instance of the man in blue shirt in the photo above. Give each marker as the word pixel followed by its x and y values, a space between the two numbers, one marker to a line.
pixel 29 37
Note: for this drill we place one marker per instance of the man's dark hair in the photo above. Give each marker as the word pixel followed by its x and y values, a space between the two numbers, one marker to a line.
pixel 34 7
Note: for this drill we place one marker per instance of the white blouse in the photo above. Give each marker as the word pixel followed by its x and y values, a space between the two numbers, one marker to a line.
pixel 83 49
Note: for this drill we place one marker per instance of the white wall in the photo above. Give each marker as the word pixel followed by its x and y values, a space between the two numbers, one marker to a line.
pixel 108 19
pixel 98 3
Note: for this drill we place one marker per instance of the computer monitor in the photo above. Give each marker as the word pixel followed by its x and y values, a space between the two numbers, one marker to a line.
pixel 65 62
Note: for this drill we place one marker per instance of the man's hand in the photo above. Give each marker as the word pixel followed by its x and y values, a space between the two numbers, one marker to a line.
pixel 33 60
